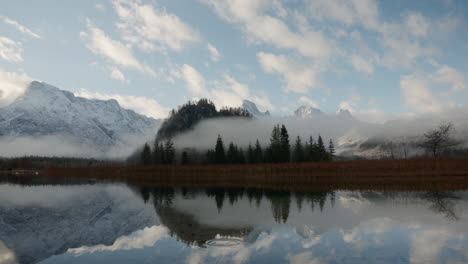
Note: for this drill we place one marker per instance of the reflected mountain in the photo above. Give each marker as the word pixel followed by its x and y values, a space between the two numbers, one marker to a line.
pixel 96 223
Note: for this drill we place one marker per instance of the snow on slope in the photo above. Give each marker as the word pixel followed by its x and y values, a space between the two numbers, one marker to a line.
pixel 45 111
pixel 37 222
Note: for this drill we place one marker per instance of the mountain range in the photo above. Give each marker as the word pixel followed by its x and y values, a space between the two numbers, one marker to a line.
pixel 49 121
pixel 46 111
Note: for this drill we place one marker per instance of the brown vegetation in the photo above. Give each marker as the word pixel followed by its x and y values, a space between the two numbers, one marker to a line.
pixel 415 174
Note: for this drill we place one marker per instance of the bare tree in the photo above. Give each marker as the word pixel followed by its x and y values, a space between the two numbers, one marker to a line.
pixel 439 139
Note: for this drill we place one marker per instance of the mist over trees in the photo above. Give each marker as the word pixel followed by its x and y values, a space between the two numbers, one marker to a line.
pixel 189 114
pixel 279 150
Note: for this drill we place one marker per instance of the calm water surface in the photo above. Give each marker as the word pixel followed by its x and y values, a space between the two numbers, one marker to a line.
pixel 117 223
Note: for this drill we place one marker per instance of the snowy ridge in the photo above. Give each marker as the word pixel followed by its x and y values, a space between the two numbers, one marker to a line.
pixel 45 110
pixel 306 112
pixel 251 107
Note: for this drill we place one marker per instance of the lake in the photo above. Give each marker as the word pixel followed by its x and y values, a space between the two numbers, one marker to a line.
pixel 76 222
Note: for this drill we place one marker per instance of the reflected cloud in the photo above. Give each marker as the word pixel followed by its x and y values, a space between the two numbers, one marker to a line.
pixel 139 239
pixel 426 246
pixel 7 256
pixel 302 258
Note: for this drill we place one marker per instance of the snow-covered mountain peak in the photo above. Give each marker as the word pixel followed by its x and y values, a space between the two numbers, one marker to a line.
pixel 45 110
pixel 345 113
pixel 251 107
pixel 307 111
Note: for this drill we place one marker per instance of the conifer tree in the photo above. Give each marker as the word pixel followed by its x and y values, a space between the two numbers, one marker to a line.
pixel 273 153
pixel 162 154
pixel 298 152
pixel 231 155
pixel 285 150
pixel 240 156
pixel 321 149
pixel 258 153
pixel 156 155
pixel 250 154
pixel 220 155
pixel 146 155
pixel 169 152
pixel 184 160
pixel 331 150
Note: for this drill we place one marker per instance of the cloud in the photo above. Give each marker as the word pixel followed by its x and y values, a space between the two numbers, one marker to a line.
pixel 116 74
pixel 298 77
pixel 452 77
pixel 214 53
pixel 304 257
pixel 151 29
pixel 10 50
pixel 361 64
pixel 402 51
pixel 225 92
pixel 100 44
pixel 12 85
pixel 426 245
pixel 417 95
pixel 262 28
pixel 417 24
pixel 352 12
pixel 20 27
pixel 139 104
pixel 417 88
pixel 194 81
pixel 308 101
pixel 7 256
pixel 137 240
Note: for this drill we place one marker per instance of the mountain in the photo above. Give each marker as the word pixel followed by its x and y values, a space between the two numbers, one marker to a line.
pixel 49 220
pixel 47 111
pixel 251 107
pixel 306 112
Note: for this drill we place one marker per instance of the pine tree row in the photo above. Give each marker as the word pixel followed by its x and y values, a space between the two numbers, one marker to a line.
pixel 279 150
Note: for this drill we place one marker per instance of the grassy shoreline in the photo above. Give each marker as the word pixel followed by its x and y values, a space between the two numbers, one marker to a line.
pixel 413 174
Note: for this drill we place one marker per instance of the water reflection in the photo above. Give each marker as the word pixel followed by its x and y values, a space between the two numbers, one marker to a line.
pixel 136 224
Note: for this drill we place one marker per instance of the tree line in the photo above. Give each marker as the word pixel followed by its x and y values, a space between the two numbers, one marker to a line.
pixel 279 150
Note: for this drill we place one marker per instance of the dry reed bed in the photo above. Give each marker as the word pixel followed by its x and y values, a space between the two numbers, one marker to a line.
pixel 415 174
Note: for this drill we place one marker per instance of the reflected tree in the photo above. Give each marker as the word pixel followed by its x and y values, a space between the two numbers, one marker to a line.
pixel 443 203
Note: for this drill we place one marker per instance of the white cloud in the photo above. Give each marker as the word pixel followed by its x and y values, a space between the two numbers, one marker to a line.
pixel 10 50
pixel 348 12
pixel 100 44
pixel 427 245
pixel 452 77
pixel 137 240
pixel 214 53
pixel 417 89
pixel 264 102
pixel 402 51
pixel 361 64
pixel 417 95
pixel 152 29
pixel 417 24
pixel 20 27
pixel 308 101
pixel 194 81
pixel 299 77
pixel 116 74
pixel 304 257
pixel 12 85
pixel 139 104
pixel 262 28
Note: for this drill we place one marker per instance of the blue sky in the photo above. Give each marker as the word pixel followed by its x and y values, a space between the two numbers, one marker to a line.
pixel 378 59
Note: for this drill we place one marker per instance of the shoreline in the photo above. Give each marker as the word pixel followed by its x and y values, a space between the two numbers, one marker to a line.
pixel 413 174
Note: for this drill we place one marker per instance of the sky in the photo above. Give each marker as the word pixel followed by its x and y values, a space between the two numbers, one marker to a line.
pixel 378 59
